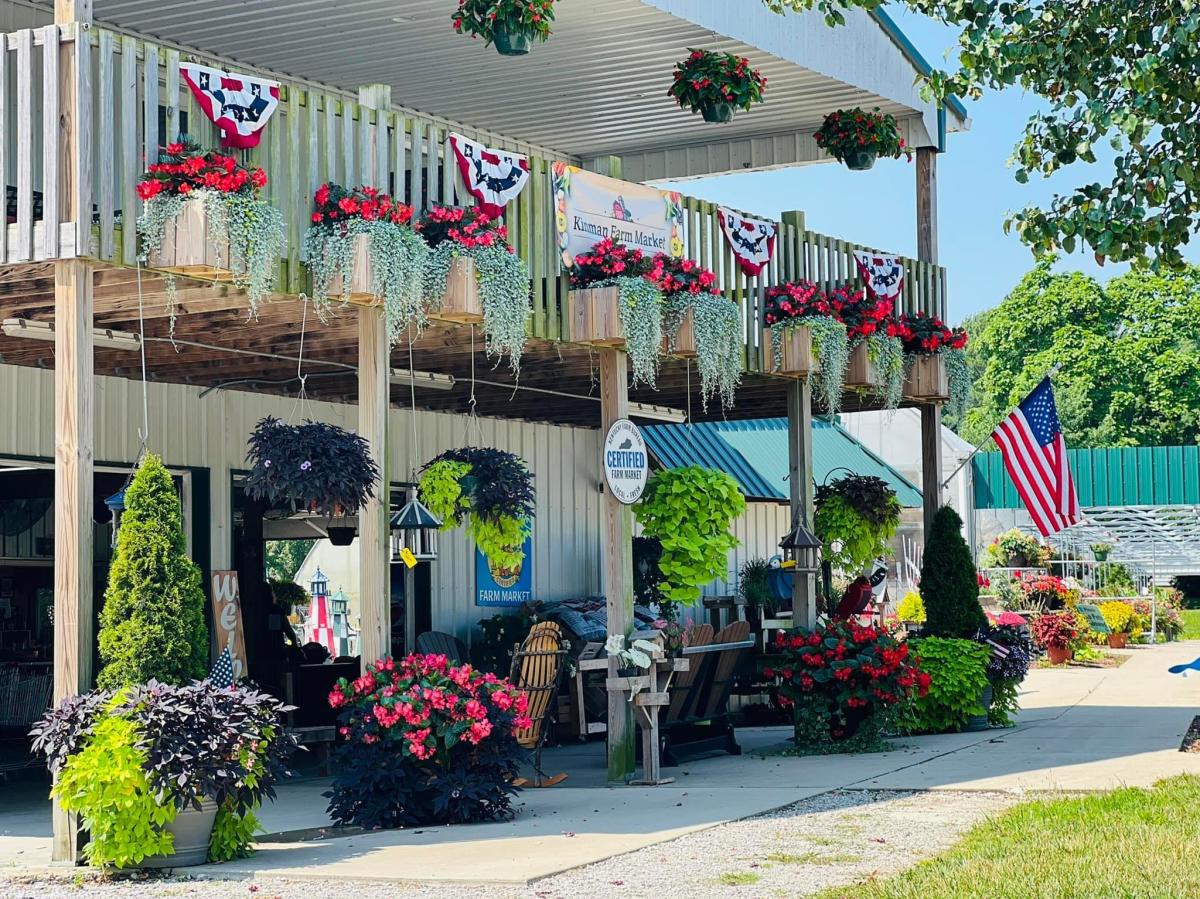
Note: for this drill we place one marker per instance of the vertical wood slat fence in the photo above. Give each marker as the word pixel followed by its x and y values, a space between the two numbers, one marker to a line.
pixel 138 104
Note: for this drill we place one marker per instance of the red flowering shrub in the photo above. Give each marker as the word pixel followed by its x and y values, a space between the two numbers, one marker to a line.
pixel 851 130
pixel 183 167
pixel 606 260
pixel 707 77
pixel 797 299
pixel 1055 629
pixel 862 315
pixel 928 334
pixel 470 228
pixel 335 203
pixel 425 742
pixel 1043 591
pixel 672 274
pixel 841 679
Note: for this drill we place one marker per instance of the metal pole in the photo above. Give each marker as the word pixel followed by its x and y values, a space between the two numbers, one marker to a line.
pixel 1153 595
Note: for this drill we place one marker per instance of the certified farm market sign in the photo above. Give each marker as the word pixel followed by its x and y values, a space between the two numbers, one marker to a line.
pixel 626 465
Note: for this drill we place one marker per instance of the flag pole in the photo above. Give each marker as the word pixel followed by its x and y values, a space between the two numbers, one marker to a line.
pixel 971 455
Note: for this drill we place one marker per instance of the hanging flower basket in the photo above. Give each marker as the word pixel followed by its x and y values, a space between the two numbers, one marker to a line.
pixel 716 113
pixel 189 246
pixel 857 138
pixel 807 338
pixel 510 25
pixel 510 43
pixel 716 85
pixel 681 343
pixel 926 380
pixel 935 363
pixel 860 160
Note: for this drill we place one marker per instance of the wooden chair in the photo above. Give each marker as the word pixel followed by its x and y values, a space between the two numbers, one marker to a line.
pixel 437 643
pixel 683 692
pixel 536 670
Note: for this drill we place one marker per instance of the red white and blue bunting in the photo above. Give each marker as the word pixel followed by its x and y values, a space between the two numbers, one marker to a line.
pixel 752 240
pixel 883 275
pixel 492 177
pixel 240 105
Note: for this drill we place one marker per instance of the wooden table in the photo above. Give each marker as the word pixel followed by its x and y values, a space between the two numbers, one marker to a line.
pixel 651 697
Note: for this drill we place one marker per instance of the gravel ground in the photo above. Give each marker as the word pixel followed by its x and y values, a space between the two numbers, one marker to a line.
pixel 835 838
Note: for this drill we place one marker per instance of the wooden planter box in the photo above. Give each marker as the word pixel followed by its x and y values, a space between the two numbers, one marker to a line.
pixel 861 373
pixel 188 248
pixel 361 275
pixel 596 317
pixel 460 303
pixel 797 360
pixel 927 380
pixel 685 338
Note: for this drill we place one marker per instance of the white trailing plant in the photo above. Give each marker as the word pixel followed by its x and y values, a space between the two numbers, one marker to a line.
pixel 641 308
pixel 887 355
pixel 831 348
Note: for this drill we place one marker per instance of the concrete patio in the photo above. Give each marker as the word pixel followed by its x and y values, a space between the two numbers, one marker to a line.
pixel 1081 729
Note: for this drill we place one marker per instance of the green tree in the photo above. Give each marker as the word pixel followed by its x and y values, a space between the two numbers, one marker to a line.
pixel 949 586
pixel 1122 72
pixel 284 557
pixel 152 623
pixel 1127 353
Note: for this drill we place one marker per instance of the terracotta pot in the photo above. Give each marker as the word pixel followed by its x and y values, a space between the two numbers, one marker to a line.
pixel 460 303
pixel 595 316
pixel 926 380
pixel 1118 641
pixel 1058 654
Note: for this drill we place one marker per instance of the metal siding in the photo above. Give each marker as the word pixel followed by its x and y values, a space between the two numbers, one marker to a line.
pixel 758 531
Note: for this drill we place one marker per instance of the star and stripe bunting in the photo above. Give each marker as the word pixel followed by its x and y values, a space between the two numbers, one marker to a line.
pixel 752 240
pixel 493 177
pixel 1035 455
pixel 240 105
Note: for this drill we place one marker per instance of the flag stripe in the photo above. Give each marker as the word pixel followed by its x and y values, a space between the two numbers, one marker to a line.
pixel 1000 435
pixel 1028 478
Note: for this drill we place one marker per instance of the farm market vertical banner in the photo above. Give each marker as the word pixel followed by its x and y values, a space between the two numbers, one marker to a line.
pixel 589 208
pixel 504 586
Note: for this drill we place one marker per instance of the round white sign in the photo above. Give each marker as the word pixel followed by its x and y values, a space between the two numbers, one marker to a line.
pixel 626 464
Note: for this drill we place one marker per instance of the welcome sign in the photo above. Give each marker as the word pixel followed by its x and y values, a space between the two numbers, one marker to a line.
pixel 590 208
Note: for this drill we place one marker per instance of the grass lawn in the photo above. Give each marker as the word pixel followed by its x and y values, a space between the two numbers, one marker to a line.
pixel 1127 844
pixel 1191 624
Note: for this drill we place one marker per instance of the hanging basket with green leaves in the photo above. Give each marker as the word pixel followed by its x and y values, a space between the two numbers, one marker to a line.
pixel 716 84
pixel 511 25
pixel 855 518
pixel 856 137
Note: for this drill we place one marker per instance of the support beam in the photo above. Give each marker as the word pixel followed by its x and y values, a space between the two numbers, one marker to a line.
pixel 931 416
pixel 931 462
pixel 927 227
pixel 617 566
pixel 800 480
pixel 375 601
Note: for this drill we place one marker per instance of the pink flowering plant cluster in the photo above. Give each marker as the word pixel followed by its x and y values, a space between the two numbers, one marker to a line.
pixel 426 742
pixel 469 228
pixel 606 260
pixel 674 274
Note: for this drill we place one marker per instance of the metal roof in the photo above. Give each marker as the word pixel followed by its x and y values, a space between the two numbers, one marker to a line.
pixel 755 454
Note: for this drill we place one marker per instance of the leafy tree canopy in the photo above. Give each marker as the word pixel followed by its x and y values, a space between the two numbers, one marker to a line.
pixel 1129 353
pixel 1125 72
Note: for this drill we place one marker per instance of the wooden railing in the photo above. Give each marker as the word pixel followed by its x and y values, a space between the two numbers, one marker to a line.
pixel 132 91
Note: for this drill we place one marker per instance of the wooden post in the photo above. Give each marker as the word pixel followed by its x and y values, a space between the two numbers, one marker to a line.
pixel 800 480
pixel 378 96
pixel 374 586
pixel 931 415
pixel 617 566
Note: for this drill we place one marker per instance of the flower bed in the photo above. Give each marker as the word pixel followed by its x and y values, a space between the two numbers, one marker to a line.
pixel 715 84
pixel 425 742
pixel 808 338
pixel 857 138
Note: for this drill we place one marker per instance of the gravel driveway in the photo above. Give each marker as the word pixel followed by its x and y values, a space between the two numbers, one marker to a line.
pixel 835 838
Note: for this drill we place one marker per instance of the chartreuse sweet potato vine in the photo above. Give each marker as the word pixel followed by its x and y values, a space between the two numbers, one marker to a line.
pixel 689 510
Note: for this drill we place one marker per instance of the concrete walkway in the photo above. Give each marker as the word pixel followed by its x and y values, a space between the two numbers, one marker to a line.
pixel 1081 729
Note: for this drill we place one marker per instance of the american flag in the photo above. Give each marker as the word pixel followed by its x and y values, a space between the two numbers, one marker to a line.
pixel 1035 454
pixel 222 672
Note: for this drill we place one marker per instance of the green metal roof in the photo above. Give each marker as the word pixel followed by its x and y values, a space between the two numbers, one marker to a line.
pixel 755 454
pixel 1106 478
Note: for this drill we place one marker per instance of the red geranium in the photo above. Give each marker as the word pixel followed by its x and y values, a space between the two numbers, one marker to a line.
pixel 183 167
pixel 673 274
pixel 470 228
pixel 335 203
pixel 862 315
pixel 606 260
pixel 797 299
pixel 848 130
pixel 926 334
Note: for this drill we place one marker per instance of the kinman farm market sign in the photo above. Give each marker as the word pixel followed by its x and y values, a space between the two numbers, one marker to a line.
pixel 626 464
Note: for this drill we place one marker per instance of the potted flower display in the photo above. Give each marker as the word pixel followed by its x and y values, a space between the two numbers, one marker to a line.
pixel 473 275
pixel 165 776
pixel 203 217
pixel 1054 632
pixel 1006 669
pixel 700 323
pixel 509 24
pixel 807 338
pixel 311 467
pixel 1014 549
pixel 1100 551
pixel 715 84
pixel 614 304
pixel 361 247
pixel 490 491
pixel 1044 592
pixel 855 518
pixel 1121 619
pixel 935 366
pixel 876 354
pixel 857 138
pixel 842 681
pixel 425 742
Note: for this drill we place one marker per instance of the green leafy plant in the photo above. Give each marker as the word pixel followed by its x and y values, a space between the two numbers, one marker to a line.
pixel 949 582
pixel 803 304
pixel 690 510
pixel 958 676
pixel 887 356
pixel 707 78
pixel 911 608
pixel 152 624
pixel 1014 549
pixel 530 19
pixel 860 515
pixel 754 585
pixel 849 131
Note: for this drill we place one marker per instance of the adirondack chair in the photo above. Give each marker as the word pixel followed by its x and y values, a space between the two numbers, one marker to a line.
pixel 439 644
pixel 702 722
pixel 684 694
pixel 536 670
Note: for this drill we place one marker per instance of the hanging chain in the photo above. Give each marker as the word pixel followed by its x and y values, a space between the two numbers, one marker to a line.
pixel 412 411
pixel 301 403
pixel 474 421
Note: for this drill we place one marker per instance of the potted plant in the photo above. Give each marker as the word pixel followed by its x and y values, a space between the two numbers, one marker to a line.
pixel 855 518
pixel 489 490
pixel 1014 549
pixel 876 354
pixel 311 467
pixel 690 511
pixel 857 138
pixel 425 742
pixel 509 24
pixel 165 776
pixel 1043 592
pixel 204 217
pixel 699 322
pixel 614 304
pixel 935 364
pixel 911 609
pixel 959 691
pixel 715 84
pixel 1121 619
pixel 632 660
pixel 807 338
pixel 1006 669
pixel 473 275
pixel 1054 632
pixel 1100 551
pixel 754 586
pixel 361 246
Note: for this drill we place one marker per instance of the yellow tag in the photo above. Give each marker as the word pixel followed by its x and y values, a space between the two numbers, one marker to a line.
pixel 408 558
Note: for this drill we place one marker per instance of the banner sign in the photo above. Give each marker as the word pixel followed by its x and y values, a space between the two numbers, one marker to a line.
pixel 752 240
pixel 240 105
pixel 492 177
pixel 504 586
pixel 589 208
pixel 883 275
pixel 227 620
pixel 626 464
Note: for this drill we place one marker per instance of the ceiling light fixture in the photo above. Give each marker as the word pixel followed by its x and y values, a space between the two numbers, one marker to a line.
pixel 101 337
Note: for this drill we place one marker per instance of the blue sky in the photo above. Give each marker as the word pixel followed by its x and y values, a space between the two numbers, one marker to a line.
pixel 975 192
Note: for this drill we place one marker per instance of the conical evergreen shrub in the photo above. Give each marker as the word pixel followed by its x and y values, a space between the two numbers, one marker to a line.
pixel 152 624
pixel 949 585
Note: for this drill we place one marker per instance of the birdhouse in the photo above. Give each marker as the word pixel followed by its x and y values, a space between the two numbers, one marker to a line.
pixel 415 528
pixel 801 547
pixel 116 505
